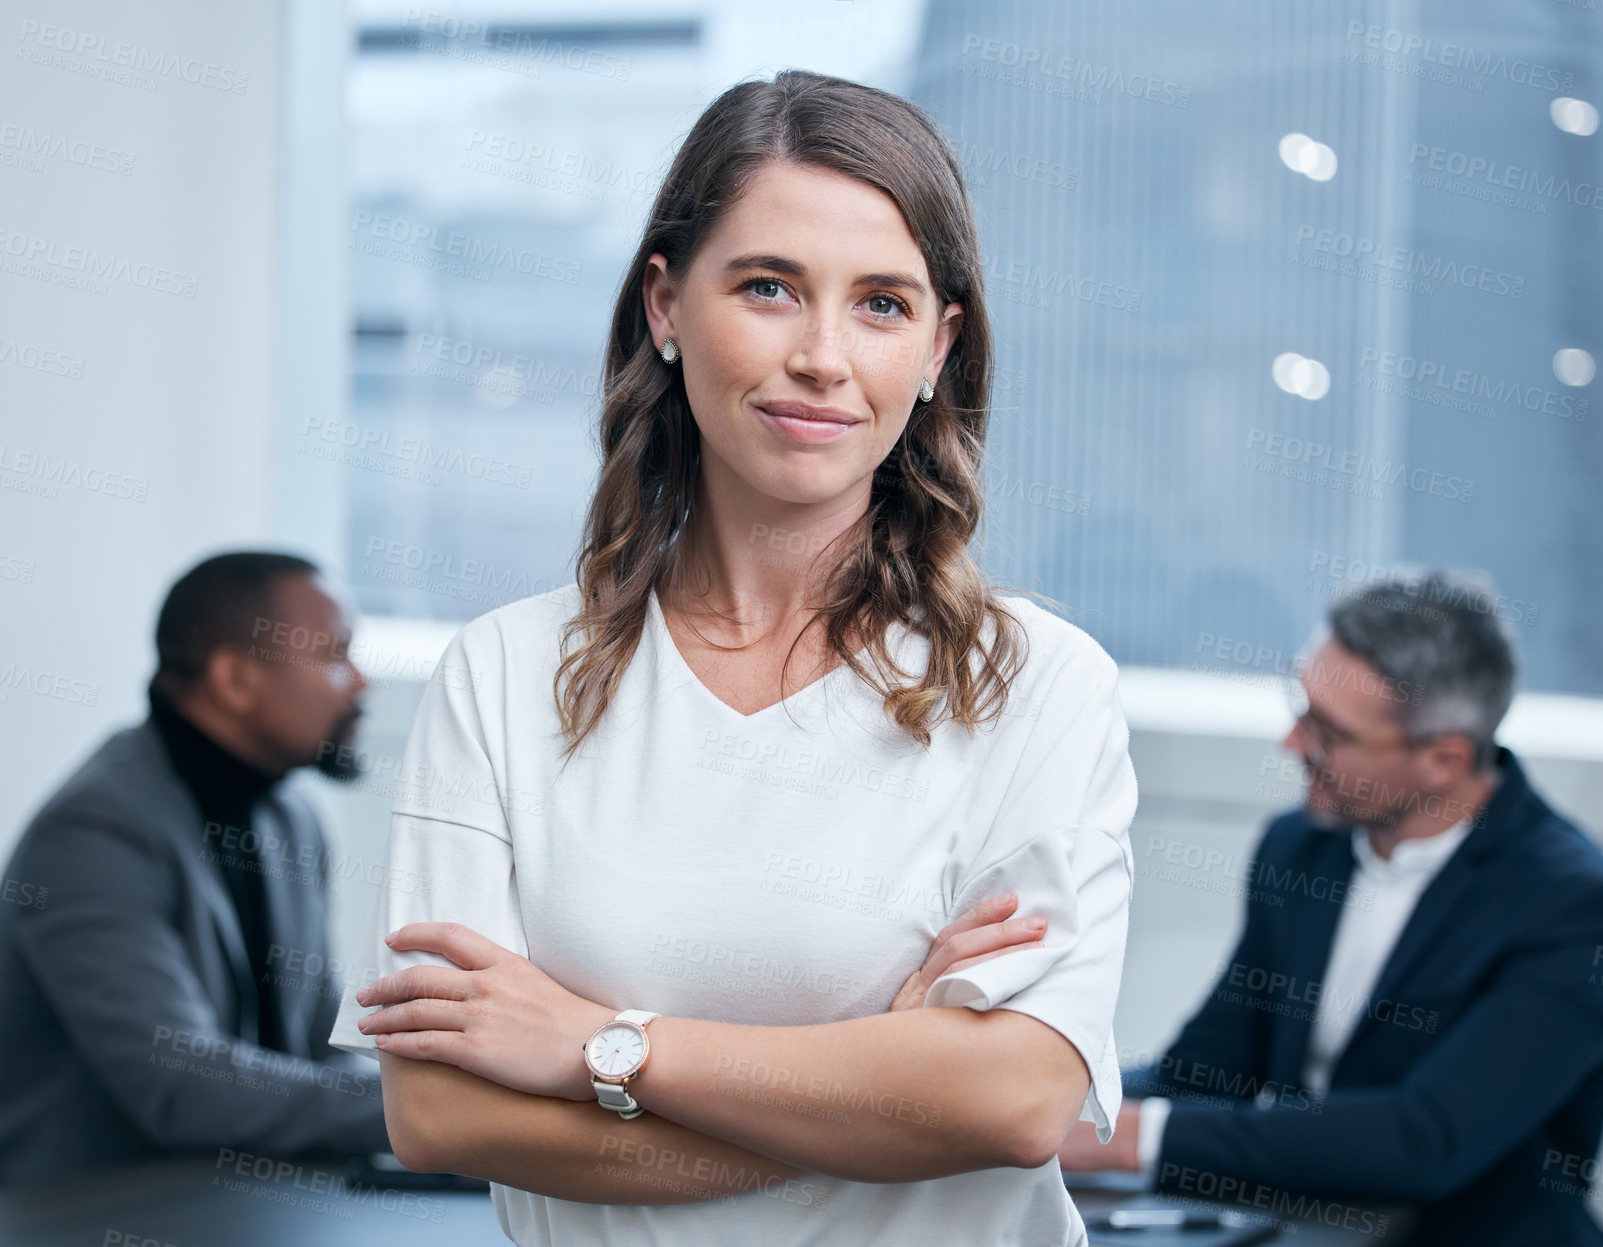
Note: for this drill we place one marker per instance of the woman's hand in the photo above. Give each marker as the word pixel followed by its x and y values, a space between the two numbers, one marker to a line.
pixel 983 932
pixel 499 1016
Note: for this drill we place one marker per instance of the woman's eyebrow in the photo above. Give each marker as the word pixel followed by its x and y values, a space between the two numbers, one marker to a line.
pixel 780 264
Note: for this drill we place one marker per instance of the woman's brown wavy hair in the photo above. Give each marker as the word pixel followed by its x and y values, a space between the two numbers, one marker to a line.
pixel 907 558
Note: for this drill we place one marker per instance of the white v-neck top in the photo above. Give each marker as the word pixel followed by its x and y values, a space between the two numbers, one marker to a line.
pixel 783 868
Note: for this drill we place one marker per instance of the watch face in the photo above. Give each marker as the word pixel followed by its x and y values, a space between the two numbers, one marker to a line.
pixel 616 1050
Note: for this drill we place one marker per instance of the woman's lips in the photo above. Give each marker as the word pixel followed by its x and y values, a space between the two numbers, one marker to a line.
pixel 806 429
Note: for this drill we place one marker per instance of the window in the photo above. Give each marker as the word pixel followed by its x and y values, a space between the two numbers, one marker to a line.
pixel 1286 298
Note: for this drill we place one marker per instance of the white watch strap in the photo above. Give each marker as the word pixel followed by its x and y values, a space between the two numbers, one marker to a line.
pixel 638 1016
pixel 610 1095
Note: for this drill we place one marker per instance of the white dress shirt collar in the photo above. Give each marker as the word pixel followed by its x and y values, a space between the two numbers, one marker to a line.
pixel 1419 855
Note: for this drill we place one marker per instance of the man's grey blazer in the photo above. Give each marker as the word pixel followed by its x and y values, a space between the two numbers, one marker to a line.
pixel 127 1010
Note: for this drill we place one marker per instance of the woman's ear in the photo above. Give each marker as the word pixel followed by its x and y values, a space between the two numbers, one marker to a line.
pixel 945 337
pixel 658 293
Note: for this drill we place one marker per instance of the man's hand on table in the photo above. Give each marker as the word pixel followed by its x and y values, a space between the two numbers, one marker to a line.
pixel 1082 1153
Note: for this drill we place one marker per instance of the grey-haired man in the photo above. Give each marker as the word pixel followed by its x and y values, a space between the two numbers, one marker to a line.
pixel 1426 1026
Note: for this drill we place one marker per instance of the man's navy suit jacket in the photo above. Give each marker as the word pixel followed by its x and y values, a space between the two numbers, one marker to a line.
pixel 1472 1085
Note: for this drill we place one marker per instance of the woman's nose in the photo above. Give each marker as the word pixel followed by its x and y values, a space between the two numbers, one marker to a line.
pixel 824 351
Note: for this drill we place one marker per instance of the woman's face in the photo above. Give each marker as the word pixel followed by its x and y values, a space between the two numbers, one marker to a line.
pixel 807 322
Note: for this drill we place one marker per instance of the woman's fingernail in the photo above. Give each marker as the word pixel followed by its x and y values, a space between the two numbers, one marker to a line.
pixel 1036 924
pixel 1011 896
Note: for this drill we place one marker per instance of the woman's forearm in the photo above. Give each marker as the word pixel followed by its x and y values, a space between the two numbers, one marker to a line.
pixel 444 1119
pixel 896 1097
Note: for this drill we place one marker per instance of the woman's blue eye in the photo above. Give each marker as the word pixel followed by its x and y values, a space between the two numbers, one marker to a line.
pixel 757 282
pixel 890 308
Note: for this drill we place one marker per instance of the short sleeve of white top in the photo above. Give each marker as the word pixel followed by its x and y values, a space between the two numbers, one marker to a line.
pixel 784 868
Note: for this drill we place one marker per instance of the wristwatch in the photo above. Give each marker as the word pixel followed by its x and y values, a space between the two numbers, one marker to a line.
pixel 615 1054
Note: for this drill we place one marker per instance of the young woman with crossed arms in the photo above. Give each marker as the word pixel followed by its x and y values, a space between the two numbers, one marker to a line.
pixel 620 800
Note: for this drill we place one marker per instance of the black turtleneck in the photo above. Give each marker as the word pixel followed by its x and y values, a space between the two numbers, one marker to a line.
pixel 227 789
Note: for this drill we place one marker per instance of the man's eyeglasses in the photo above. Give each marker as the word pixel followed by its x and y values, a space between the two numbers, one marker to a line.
pixel 1326 736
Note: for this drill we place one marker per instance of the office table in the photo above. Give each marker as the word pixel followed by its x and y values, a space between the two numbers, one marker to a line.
pixel 258 1202
pixel 1095 1193
pixel 208 1203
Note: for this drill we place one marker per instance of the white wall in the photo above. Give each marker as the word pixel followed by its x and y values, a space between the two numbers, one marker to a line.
pixel 178 396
